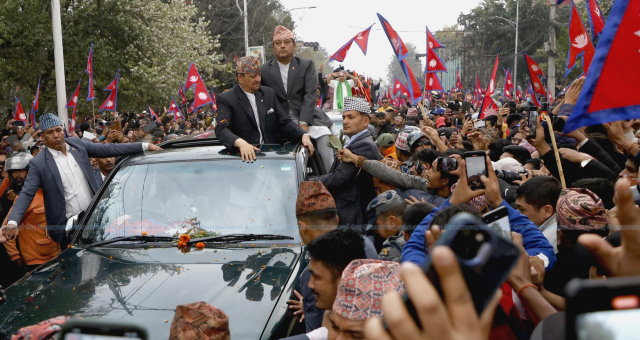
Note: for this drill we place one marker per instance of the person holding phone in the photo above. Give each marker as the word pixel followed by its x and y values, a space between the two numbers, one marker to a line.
pixel 533 240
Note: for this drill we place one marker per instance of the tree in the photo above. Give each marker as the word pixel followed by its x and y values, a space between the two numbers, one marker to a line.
pixel 226 23
pixel 151 42
pixel 394 69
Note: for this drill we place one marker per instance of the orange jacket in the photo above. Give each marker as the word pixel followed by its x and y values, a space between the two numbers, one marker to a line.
pixel 35 245
pixel 391 152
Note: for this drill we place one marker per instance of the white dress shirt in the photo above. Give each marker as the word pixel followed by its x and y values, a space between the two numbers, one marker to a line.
pixel 252 101
pixel 77 191
pixel 284 73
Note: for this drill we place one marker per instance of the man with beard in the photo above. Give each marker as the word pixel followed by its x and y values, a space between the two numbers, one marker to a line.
pixel 36 247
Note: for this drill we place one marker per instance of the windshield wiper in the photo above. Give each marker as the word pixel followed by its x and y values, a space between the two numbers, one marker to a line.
pixel 144 238
pixel 240 238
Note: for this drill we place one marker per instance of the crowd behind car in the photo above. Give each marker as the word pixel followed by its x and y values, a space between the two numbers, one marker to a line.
pixel 566 209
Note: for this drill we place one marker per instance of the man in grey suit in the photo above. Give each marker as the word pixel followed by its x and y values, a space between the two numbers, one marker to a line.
pixel 295 82
pixel 353 189
pixel 63 171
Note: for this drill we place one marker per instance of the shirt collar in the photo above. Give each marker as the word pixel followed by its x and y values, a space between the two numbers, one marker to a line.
pixel 250 95
pixel 548 223
pixel 357 135
pixel 59 153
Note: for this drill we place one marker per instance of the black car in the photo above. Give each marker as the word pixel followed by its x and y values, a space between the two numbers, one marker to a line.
pixel 123 264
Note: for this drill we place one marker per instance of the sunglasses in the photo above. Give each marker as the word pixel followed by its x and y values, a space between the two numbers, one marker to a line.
pixel 404 167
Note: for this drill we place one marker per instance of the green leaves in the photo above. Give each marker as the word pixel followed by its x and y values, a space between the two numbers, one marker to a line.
pixel 337 143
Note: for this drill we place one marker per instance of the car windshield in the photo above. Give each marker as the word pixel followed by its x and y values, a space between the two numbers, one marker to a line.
pixel 219 196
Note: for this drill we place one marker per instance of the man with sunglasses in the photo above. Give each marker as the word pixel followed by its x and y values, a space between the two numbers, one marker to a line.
pixel 385 105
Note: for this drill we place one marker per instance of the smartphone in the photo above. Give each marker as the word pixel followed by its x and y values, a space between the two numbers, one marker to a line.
pixel 558 123
pixel 18 123
pixel 533 119
pixel 544 107
pixel 609 308
pixel 150 126
pixel 478 123
pixel 476 167
pixel 117 126
pixel 484 257
pixel 447 164
pixel 498 221
pixel 77 329
pixel 457 124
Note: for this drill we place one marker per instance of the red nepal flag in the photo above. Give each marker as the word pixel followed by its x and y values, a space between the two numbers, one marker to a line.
pixel 433 83
pixel 518 93
pixel 487 102
pixel 580 43
pixel 478 86
pixel 183 97
pixel 434 63
pixel 214 104
pixel 414 87
pixel 72 127
pixel 201 95
pixel 534 71
pixel 192 109
pixel 342 52
pixel 596 21
pixel 35 104
pixel 173 107
pixel 394 38
pixel 508 84
pixel 193 77
pixel 154 116
pixel 73 101
pixel 90 95
pixel 362 39
pixel 549 96
pixel 111 104
pixel 458 81
pixel 20 115
pixel 398 86
pixel 432 42
pixel 534 98
pixel 610 90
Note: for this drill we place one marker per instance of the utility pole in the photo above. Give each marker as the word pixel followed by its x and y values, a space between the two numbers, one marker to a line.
pixel 551 70
pixel 246 30
pixel 58 55
pixel 515 53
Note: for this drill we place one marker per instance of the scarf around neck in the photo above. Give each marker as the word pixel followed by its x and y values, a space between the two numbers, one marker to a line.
pixel 339 96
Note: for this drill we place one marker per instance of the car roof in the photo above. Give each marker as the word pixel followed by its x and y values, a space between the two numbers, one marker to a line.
pixel 205 146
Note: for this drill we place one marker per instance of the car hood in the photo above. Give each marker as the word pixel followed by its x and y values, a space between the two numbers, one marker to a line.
pixel 144 286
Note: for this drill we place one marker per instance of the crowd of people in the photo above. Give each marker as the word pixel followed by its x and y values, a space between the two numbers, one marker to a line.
pixel 396 183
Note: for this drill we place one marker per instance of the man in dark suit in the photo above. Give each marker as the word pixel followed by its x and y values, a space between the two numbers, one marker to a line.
pixel 63 171
pixel 293 79
pixel 353 189
pixel 250 114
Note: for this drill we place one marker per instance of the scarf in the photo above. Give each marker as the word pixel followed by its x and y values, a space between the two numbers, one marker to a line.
pixel 339 96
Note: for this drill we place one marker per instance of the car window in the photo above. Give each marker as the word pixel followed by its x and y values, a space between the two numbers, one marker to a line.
pixel 225 197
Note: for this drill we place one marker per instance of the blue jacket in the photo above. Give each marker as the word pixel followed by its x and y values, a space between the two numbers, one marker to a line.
pixel 532 238
pixel 43 173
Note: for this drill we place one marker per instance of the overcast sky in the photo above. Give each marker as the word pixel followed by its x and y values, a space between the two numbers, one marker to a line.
pixel 334 22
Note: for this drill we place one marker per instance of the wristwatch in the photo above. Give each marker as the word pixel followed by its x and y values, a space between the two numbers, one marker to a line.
pixel 302 123
pixel 584 163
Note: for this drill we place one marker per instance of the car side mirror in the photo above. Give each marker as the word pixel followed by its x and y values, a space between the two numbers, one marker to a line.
pixel 70 226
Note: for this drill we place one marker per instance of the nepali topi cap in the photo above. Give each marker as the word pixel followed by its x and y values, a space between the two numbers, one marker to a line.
pixel 248 65
pixel 312 197
pixel 282 33
pixel 362 286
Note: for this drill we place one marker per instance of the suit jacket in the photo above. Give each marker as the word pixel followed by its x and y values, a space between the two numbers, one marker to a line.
pixel 352 191
pixel 302 83
pixel 98 175
pixel 43 173
pixel 236 120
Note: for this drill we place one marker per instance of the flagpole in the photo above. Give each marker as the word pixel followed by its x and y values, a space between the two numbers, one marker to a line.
pixel 555 150
pixel 93 103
